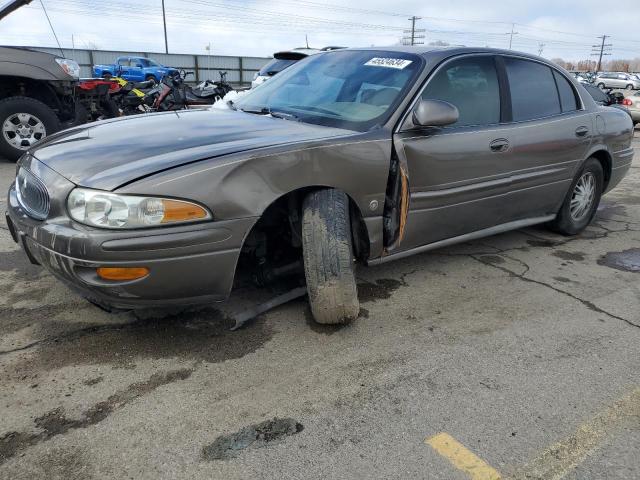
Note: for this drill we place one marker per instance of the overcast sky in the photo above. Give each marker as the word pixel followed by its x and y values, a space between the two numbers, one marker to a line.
pixel 566 29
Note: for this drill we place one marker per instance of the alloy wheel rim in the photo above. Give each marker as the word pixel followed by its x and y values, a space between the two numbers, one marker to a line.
pixel 23 130
pixel 582 196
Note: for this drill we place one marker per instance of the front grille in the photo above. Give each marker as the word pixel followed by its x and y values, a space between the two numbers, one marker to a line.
pixel 32 194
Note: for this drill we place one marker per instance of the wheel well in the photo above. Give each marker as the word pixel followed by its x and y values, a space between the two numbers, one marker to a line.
pixel 273 246
pixel 605 160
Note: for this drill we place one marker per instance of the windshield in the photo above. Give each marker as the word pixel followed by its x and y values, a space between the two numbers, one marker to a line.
pixel 150 63
pixel 275 66
pixel 355 90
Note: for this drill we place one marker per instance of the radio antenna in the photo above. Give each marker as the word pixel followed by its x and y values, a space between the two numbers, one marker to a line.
pixel 52 29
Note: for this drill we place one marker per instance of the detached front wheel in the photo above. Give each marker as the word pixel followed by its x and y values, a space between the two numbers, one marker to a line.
pixel 328 257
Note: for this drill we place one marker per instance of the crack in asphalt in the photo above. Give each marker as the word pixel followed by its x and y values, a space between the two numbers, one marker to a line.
pixel 590 305
pixel 71 335
pixel 55 422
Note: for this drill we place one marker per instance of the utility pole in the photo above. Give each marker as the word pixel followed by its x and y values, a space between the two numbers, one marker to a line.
pixel 411 36
pixel 164 23
pixel 541 48
pixel 513 26
pixel 601 50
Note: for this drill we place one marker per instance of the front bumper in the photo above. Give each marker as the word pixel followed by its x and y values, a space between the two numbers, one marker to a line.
pixel 191 264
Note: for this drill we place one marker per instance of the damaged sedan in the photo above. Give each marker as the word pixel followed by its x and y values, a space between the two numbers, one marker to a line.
pixel 357 156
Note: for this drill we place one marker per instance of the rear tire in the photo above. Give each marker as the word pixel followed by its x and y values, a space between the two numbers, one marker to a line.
pixel 38 121
pixel 601 86
pixel 151 77
pixel 328 257
pixel 572 219
pixel 629 87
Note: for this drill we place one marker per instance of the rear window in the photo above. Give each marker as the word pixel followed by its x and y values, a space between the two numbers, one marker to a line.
pixel 533 90
pixel 275 66
pixel 567 94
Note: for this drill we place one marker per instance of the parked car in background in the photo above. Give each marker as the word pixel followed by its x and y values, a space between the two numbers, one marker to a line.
pixel 135 69
pixel 633 105
pixel 36 94
pixel 285 59
pixel 617 80
pixel 583 77
pixel 281 60
pixel 360 155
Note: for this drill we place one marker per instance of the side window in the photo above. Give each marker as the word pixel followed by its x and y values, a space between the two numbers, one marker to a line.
pixel 533 90
pixel 566 92
pixel 471 84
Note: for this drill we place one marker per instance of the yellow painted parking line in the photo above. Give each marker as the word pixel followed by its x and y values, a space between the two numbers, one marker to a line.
pixel 561 458
pixel 462 458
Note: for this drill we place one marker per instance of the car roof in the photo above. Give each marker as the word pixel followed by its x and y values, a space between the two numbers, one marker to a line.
pixel 434 51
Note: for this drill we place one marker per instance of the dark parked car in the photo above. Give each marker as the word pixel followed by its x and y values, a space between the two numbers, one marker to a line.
pixel 360 155
pixel 36 94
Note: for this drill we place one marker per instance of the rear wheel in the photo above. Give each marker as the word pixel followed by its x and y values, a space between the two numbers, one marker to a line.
pixel 328 257
pixel 150 78
pixel 24 122
pixel 582 200
pixel 601 86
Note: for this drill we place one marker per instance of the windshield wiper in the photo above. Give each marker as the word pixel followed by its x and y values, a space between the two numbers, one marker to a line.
pixel 273 113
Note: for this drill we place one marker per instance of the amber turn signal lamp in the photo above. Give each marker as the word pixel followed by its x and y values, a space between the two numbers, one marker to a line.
pixel 176 211
pixel 122 273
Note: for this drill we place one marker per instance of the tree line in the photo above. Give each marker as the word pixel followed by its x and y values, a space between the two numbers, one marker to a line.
pixel 621 65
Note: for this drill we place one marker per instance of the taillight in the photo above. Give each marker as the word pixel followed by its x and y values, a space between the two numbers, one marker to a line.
pixel 627 102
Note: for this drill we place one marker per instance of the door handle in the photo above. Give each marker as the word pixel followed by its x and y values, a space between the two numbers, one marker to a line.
pixel 582 131
pixel 499 145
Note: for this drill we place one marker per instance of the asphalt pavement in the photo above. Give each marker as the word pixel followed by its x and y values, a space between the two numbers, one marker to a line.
pixel 515 356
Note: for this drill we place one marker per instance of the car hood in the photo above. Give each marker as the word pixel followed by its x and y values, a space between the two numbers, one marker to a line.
pixel 109 154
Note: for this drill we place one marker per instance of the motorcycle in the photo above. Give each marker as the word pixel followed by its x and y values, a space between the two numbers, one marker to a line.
pixel 175 94
pixel 135 97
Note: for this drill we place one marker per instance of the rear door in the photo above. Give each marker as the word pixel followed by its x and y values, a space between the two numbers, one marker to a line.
pixel 549 136
pixel 458 174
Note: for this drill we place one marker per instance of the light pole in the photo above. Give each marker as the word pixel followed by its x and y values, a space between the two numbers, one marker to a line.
pixel 164 23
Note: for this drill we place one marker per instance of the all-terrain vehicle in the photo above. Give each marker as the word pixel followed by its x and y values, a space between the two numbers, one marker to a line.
pixel 36 94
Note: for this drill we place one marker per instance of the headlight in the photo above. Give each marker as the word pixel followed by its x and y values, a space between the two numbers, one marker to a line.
pixel 109 210
pixel 70 67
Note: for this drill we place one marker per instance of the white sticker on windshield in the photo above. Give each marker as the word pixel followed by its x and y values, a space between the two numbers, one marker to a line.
pixel 398 63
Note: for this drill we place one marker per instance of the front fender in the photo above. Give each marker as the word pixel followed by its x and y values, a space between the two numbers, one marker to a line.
pixel 244 185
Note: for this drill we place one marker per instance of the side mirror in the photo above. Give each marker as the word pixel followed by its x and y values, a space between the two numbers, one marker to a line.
pixel 435 113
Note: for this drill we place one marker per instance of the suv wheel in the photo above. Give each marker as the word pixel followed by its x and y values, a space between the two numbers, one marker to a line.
pixel 601 86
pixel 629 87
pixel 151 77
pixel 24 122
pixel 582 200
pixel 328 257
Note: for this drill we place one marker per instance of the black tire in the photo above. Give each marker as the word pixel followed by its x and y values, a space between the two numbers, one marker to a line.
pixel 13 105
pixel 565 223
pixel 328 257
pixel 601 86
pixel 107 75
pixel 151 77
pixel 629 87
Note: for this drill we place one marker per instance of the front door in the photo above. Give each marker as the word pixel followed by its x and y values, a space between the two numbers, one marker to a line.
pixel 459 175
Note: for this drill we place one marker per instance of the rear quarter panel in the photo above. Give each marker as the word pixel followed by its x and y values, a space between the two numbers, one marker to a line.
pixel 613 132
